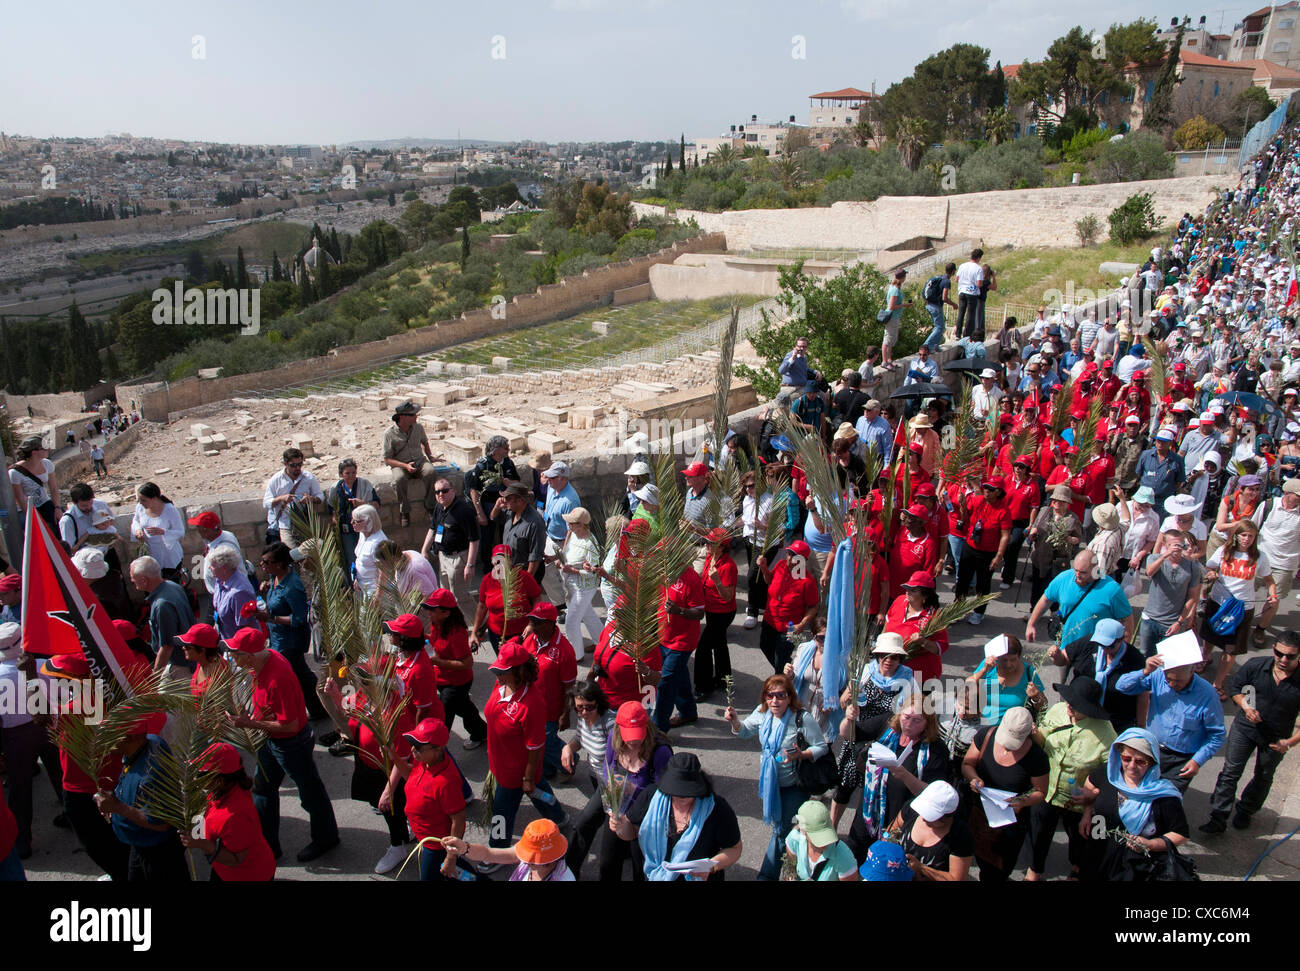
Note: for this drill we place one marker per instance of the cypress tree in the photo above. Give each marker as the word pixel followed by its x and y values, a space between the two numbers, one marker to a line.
pixel 464 246
pixel 241 269
pixel 681 158
pixel 277 274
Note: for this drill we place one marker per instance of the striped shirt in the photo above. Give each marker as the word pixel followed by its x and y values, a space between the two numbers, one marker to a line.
pixel 592 738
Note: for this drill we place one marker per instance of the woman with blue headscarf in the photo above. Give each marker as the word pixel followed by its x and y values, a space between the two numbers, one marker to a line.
pixel 1130 814
pixel 787 738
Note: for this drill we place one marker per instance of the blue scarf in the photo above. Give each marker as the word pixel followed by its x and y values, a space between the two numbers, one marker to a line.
pixel 772 736
pixel 839 628
pixel 1104 669
pixel 875 782
pixel 892 686
pixel 653 835
pixel 1135 809
pixel 802 660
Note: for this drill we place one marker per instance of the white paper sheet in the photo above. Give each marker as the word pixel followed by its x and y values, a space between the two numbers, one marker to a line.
pixel 996 809
pixel 1180 650
pixel 704 865
pixel 883 756
pixel 997 647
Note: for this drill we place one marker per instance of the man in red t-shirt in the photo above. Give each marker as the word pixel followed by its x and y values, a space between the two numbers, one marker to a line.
pixel 913 548
pixel 280 711
pixel 679 632
pixel 557 670
pixel 620 675
pixel 1023 499
pixel 988 531
pixel 792 600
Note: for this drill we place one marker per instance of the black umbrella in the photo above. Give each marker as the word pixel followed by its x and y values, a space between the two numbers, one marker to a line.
pixel 974 365
pixel 923 389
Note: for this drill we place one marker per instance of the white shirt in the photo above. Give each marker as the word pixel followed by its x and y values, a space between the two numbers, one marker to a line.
pixel 36 493
pixel 985 403
pixel 969 275
pixel 75 524
pixel 417 575
pixel 227 538
pixel 367 569
pixel 280 484
pixel 166 549
pixel 1280 538
pixel 1143 529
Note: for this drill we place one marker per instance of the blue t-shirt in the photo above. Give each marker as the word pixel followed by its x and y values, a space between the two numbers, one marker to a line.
pixel 135 774
pixel 1103 599
pixel 889 299
pixel 557 504
pixel 1000 699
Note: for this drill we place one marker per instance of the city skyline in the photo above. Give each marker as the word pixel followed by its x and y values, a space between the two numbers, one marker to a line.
pixel 563 71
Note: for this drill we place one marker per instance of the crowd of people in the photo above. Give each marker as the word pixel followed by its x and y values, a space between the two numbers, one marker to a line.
pixel 1142 450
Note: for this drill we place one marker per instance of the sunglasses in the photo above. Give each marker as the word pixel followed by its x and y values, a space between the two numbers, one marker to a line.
pixel 441 492
pixel 294 465
pixel 578 707
pixel 1282 656
pixel 777 695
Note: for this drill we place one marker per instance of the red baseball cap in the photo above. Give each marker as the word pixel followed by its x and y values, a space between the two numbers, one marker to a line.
pixel 1006 419
pixel 206 520
pixel 511 655
pixel 250 640
pixel 995 482
pixel 924 491
pixel 544 610
pixel 221 758
pixel 920 579
pixel 501 549
pixel 633 721
pixel 718 534
pixel 800 548
pixel 1180 366
pixel 203 636
pixel 10 582
pixel 73 666
pixel 405 625
pixel 150 724
pixel 127 629
pixel 916 447
pixel 918 510
pixel 1029 404
pixel 1108 363
pixel 431 731
pixel 695 470
pixel 442 597
pixel 1025 460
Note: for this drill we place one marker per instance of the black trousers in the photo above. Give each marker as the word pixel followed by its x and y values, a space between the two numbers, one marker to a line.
pixel 756 586
pixel 1171 763
pixel 24 746
pixel 164 863
pixel 713 656
pixel 367 786
pixel 1241 745
pixel 967 309
pixel 1043 820
pixel 775 647
pixel 586 826
pixel 974 565
pixel 456 700
pixel 96 835
pixel 613 853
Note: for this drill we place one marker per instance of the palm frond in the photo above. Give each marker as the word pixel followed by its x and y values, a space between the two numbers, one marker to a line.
pixel 176 792
pixel 1158 379
pixel 964 461
pixel 823 481
pixel 486 797
pixel 1061 407
pixel 1086 442
pixel 945 617
pixel 671 503
pixel 1022 443
pixel 378 703
pixel 774 523
pixel 230 692
pixel 334 608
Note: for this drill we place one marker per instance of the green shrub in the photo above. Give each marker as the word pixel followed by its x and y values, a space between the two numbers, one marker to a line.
pixel 1198 133
pixel 1139 155
pixel 1014 164
pixel 378 327
pixel 1088 228
pixel 1134 219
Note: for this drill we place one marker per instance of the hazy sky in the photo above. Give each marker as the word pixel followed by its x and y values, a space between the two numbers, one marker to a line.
pixel 329 71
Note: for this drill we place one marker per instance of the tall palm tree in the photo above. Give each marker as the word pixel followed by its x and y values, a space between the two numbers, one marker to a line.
pixel 998 125
pixel 862 133
pixel 911 142
pixel 723 154
pixel 789 172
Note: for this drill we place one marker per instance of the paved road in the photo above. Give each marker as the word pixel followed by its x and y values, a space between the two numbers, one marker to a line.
pixel 733 764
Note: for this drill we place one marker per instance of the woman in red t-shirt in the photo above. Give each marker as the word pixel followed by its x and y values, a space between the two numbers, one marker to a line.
pixel 516 722
pixel 907 617
pixel 453 663
pixel 232 837
pixel 913 548
pixel 792 601
pixel 199 644
pixel 621 676
pixel 419 680
pixel 93 831
pixel 712 656
pixel 988 531
pixel 435 801
pixel 1023 499
pixel 491 608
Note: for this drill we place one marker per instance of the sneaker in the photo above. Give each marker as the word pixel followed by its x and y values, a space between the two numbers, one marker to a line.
pixel 61 821
pixel 1240 820
pixel 314 850
pixel 471 744
pixel 677 721
pixel 340 748
pixel 391 859
pixel 752 622
pixel 1004 586
pixel 1213 825
pixel 975 619
pixel 328 739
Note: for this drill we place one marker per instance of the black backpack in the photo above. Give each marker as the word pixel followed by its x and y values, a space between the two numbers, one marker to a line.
pixel 933 292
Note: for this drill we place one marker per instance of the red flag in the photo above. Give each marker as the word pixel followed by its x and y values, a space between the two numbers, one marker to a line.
pixel 61 615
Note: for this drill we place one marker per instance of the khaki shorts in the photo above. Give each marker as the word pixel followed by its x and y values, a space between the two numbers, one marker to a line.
pixel 891 332
pixel 1285 581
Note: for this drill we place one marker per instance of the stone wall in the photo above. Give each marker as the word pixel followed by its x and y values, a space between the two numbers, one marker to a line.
pixel 79 463
pixel 703 276
pixel 1021 217
pixel 594 288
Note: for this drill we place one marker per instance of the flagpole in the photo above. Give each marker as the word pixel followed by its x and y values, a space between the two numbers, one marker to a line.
pixel 13 528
